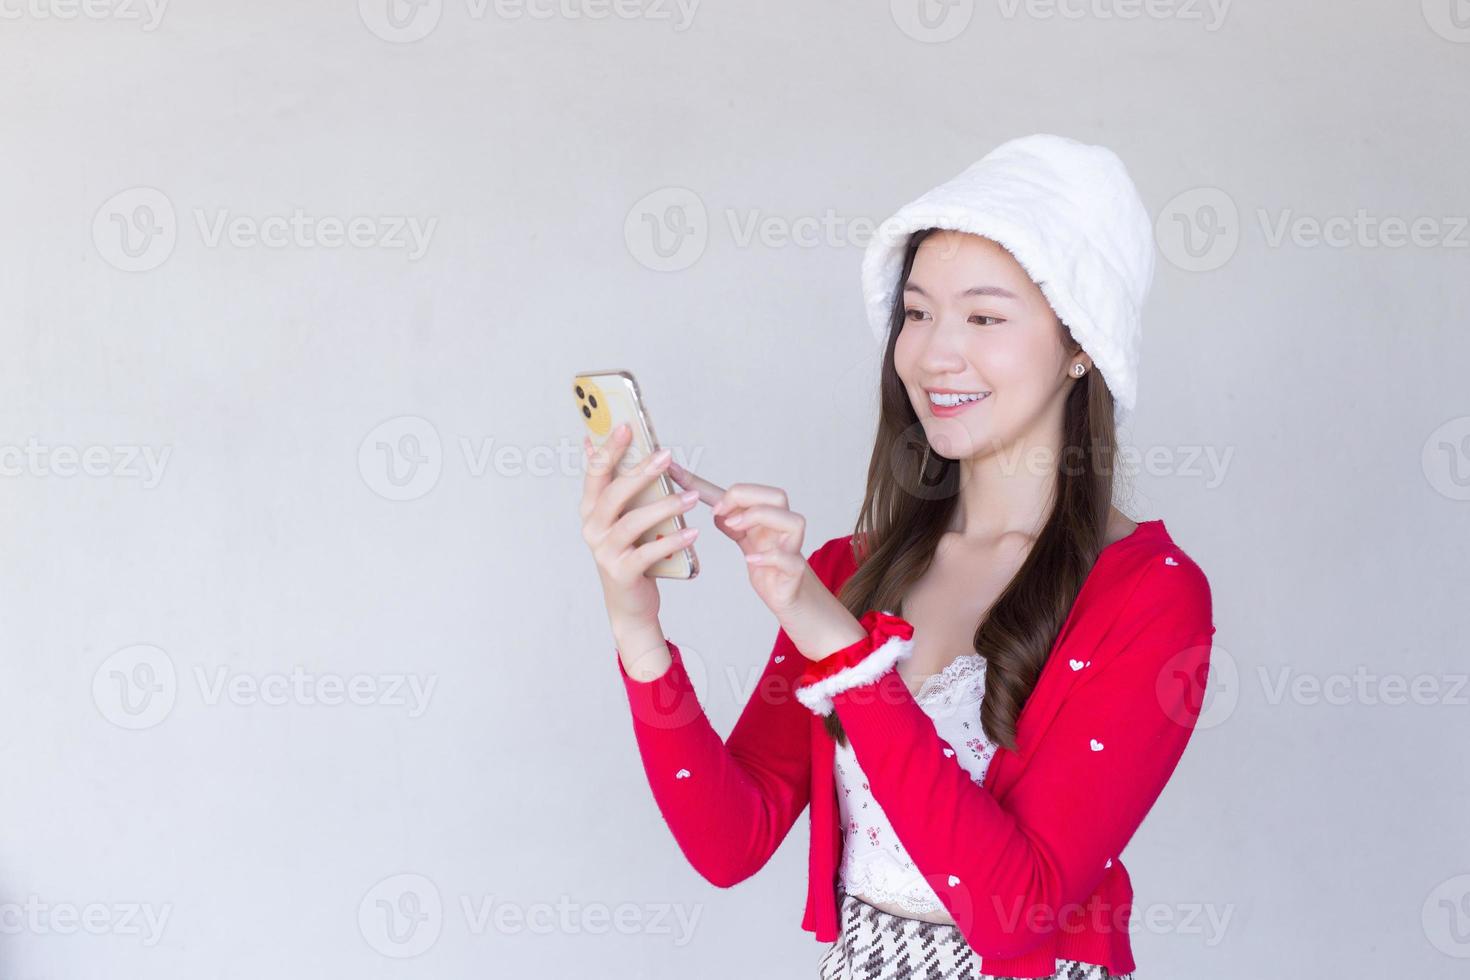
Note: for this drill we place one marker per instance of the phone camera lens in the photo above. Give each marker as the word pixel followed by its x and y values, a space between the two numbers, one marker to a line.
pixel 586 412
pixel 592 400
pixel 580 393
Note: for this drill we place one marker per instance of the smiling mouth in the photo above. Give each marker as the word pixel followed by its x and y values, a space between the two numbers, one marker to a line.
pixel 954 399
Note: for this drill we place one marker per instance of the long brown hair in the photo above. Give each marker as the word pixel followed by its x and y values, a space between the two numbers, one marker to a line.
pixel 905 513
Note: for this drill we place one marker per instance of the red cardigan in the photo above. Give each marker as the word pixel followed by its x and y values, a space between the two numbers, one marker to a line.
pixel 1028 863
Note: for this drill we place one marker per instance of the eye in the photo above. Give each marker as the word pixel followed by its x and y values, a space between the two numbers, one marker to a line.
pixel 982 316
pixel 908 314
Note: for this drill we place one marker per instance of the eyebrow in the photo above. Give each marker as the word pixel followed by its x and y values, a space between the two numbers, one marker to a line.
pixel 972 291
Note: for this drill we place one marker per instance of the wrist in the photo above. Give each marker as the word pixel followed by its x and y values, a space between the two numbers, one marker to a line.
pixel 818 623
pixel 643 649
pixel 886 640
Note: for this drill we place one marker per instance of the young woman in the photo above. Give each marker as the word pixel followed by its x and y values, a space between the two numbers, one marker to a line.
pixel 983 689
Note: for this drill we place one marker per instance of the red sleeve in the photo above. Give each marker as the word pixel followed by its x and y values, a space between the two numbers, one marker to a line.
pixel 1006 870
pixel 728 803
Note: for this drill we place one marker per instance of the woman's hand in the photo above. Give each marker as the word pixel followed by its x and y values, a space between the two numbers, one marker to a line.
pixel 631 597
pixel 760 520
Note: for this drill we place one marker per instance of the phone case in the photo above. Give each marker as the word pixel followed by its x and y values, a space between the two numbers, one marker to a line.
pixel 604 399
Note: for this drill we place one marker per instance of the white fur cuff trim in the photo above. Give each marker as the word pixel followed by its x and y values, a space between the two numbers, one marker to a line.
pixel 818 696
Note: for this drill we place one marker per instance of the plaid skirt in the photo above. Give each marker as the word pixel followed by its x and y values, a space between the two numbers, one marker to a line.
pixel 877 945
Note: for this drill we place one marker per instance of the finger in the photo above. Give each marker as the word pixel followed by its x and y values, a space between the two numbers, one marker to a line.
pixel 628 528
pixel 777 519
pixel 710 493
pixel 747 494
pixel 601 463
pixel 616 495
pixel 784 561
pixel 641 558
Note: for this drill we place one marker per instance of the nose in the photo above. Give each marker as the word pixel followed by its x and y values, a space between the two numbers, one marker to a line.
pixel 943 350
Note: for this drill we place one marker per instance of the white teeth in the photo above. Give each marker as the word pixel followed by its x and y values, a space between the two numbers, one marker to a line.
pixel 952 400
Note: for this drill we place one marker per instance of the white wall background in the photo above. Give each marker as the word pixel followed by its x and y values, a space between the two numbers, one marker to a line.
pixel 1306 403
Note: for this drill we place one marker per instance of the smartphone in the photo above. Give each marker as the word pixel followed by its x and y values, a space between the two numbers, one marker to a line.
pixel 604 399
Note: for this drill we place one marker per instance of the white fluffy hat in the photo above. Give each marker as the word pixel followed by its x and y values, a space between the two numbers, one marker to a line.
pixel 1072 218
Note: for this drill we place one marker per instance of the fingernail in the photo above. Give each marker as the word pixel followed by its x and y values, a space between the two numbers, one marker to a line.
pixel 688 533
pixel 732 521
pixel 689 496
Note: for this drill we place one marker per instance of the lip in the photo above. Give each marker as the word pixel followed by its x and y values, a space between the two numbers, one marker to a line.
pixel 949 411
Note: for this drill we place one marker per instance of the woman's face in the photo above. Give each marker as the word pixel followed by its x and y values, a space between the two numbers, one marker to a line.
pixel 975 323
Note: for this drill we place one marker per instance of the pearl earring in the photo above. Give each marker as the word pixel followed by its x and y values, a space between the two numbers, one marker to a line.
pixel 1078 370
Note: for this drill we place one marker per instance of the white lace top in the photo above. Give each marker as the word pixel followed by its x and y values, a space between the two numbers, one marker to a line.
pixel 874 863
